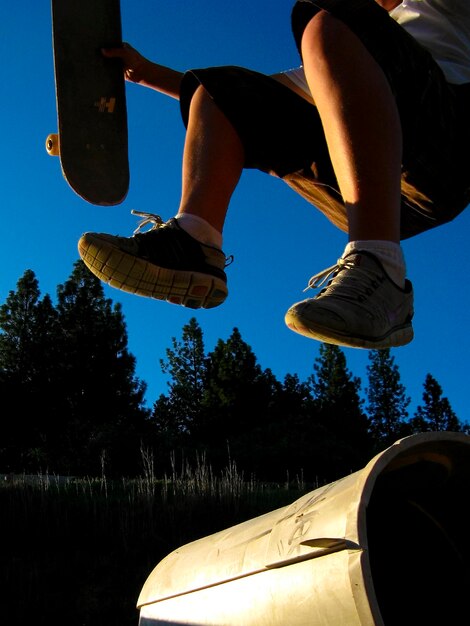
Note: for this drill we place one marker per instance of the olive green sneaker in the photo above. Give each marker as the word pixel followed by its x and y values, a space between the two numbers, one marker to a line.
pixel 360 306
pixel 164 263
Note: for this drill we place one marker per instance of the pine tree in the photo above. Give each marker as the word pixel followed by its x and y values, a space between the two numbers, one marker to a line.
pixel 235 381
pixel 435 414
pixel 28 328
pixel 387 400
pixel 346 445
pixel 28 351
pixel 186 365
pixel 69 378
pixel 237 404
pixel 292 440
pixel 218 404
pixel 105 415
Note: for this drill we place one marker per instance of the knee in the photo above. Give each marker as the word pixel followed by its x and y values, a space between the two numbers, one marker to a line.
pixel 201 97
pixel 323 32
pixel 202 105
pixel 204 109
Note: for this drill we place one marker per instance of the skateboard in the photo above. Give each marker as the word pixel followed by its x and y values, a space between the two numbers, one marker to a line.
pixel 91 141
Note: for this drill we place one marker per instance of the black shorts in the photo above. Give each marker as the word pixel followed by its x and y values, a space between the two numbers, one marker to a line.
pixel 282 133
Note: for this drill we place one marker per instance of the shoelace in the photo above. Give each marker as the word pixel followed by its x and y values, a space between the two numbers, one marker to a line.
pixel 157 222
pixel 147 218
pixel 318 280
pixel 359 285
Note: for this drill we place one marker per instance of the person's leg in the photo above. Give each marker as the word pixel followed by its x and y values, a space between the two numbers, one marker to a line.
pixel 231 124
pixel 367 302
pixel 361 125
pixel 213 161
pixel 180 261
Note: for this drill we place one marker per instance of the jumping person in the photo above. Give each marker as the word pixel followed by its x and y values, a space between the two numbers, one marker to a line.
pixel 373 129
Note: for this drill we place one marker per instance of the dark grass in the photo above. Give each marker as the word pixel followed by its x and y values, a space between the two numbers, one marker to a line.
pixel 77 552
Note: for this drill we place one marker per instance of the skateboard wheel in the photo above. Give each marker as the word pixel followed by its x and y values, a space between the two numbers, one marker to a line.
pixel 52 144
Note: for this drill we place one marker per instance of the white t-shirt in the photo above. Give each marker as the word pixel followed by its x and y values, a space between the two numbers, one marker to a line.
pixel 440 26
pixel 443 28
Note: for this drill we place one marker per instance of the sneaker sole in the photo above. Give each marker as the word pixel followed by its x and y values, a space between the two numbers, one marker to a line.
pixel 399 336
pixel 123 271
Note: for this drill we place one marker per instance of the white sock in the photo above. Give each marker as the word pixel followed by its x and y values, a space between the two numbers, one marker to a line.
pixel 200 229
pixel 389 254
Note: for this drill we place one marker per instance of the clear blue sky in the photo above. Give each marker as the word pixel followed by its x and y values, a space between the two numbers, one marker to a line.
pixel 277 239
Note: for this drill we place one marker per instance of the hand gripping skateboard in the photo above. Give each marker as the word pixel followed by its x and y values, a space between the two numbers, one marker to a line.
pixel 91 101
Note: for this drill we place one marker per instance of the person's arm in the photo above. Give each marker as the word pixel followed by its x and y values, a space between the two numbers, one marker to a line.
pixel 138 69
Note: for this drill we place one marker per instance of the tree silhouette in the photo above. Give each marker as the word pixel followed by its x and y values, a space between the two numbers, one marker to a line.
pixel 435 414
pixel 174 415
pixel 70 379
pixel 71 398
pixel 29 327
pixel 387 400
pixel 293 440
pixel 237 403
pixel 105 399
pixel 336 391
pixel 28 366
pixel 186 364
pixel 222 405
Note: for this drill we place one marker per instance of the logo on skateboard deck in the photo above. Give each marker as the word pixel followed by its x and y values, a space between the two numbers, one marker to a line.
pixel 106 105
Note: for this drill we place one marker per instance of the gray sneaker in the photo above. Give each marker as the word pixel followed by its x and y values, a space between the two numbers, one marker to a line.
pixel 360 306
pixel 164 262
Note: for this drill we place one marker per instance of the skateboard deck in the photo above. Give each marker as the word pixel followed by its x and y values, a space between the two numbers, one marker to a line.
pixel 91 102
